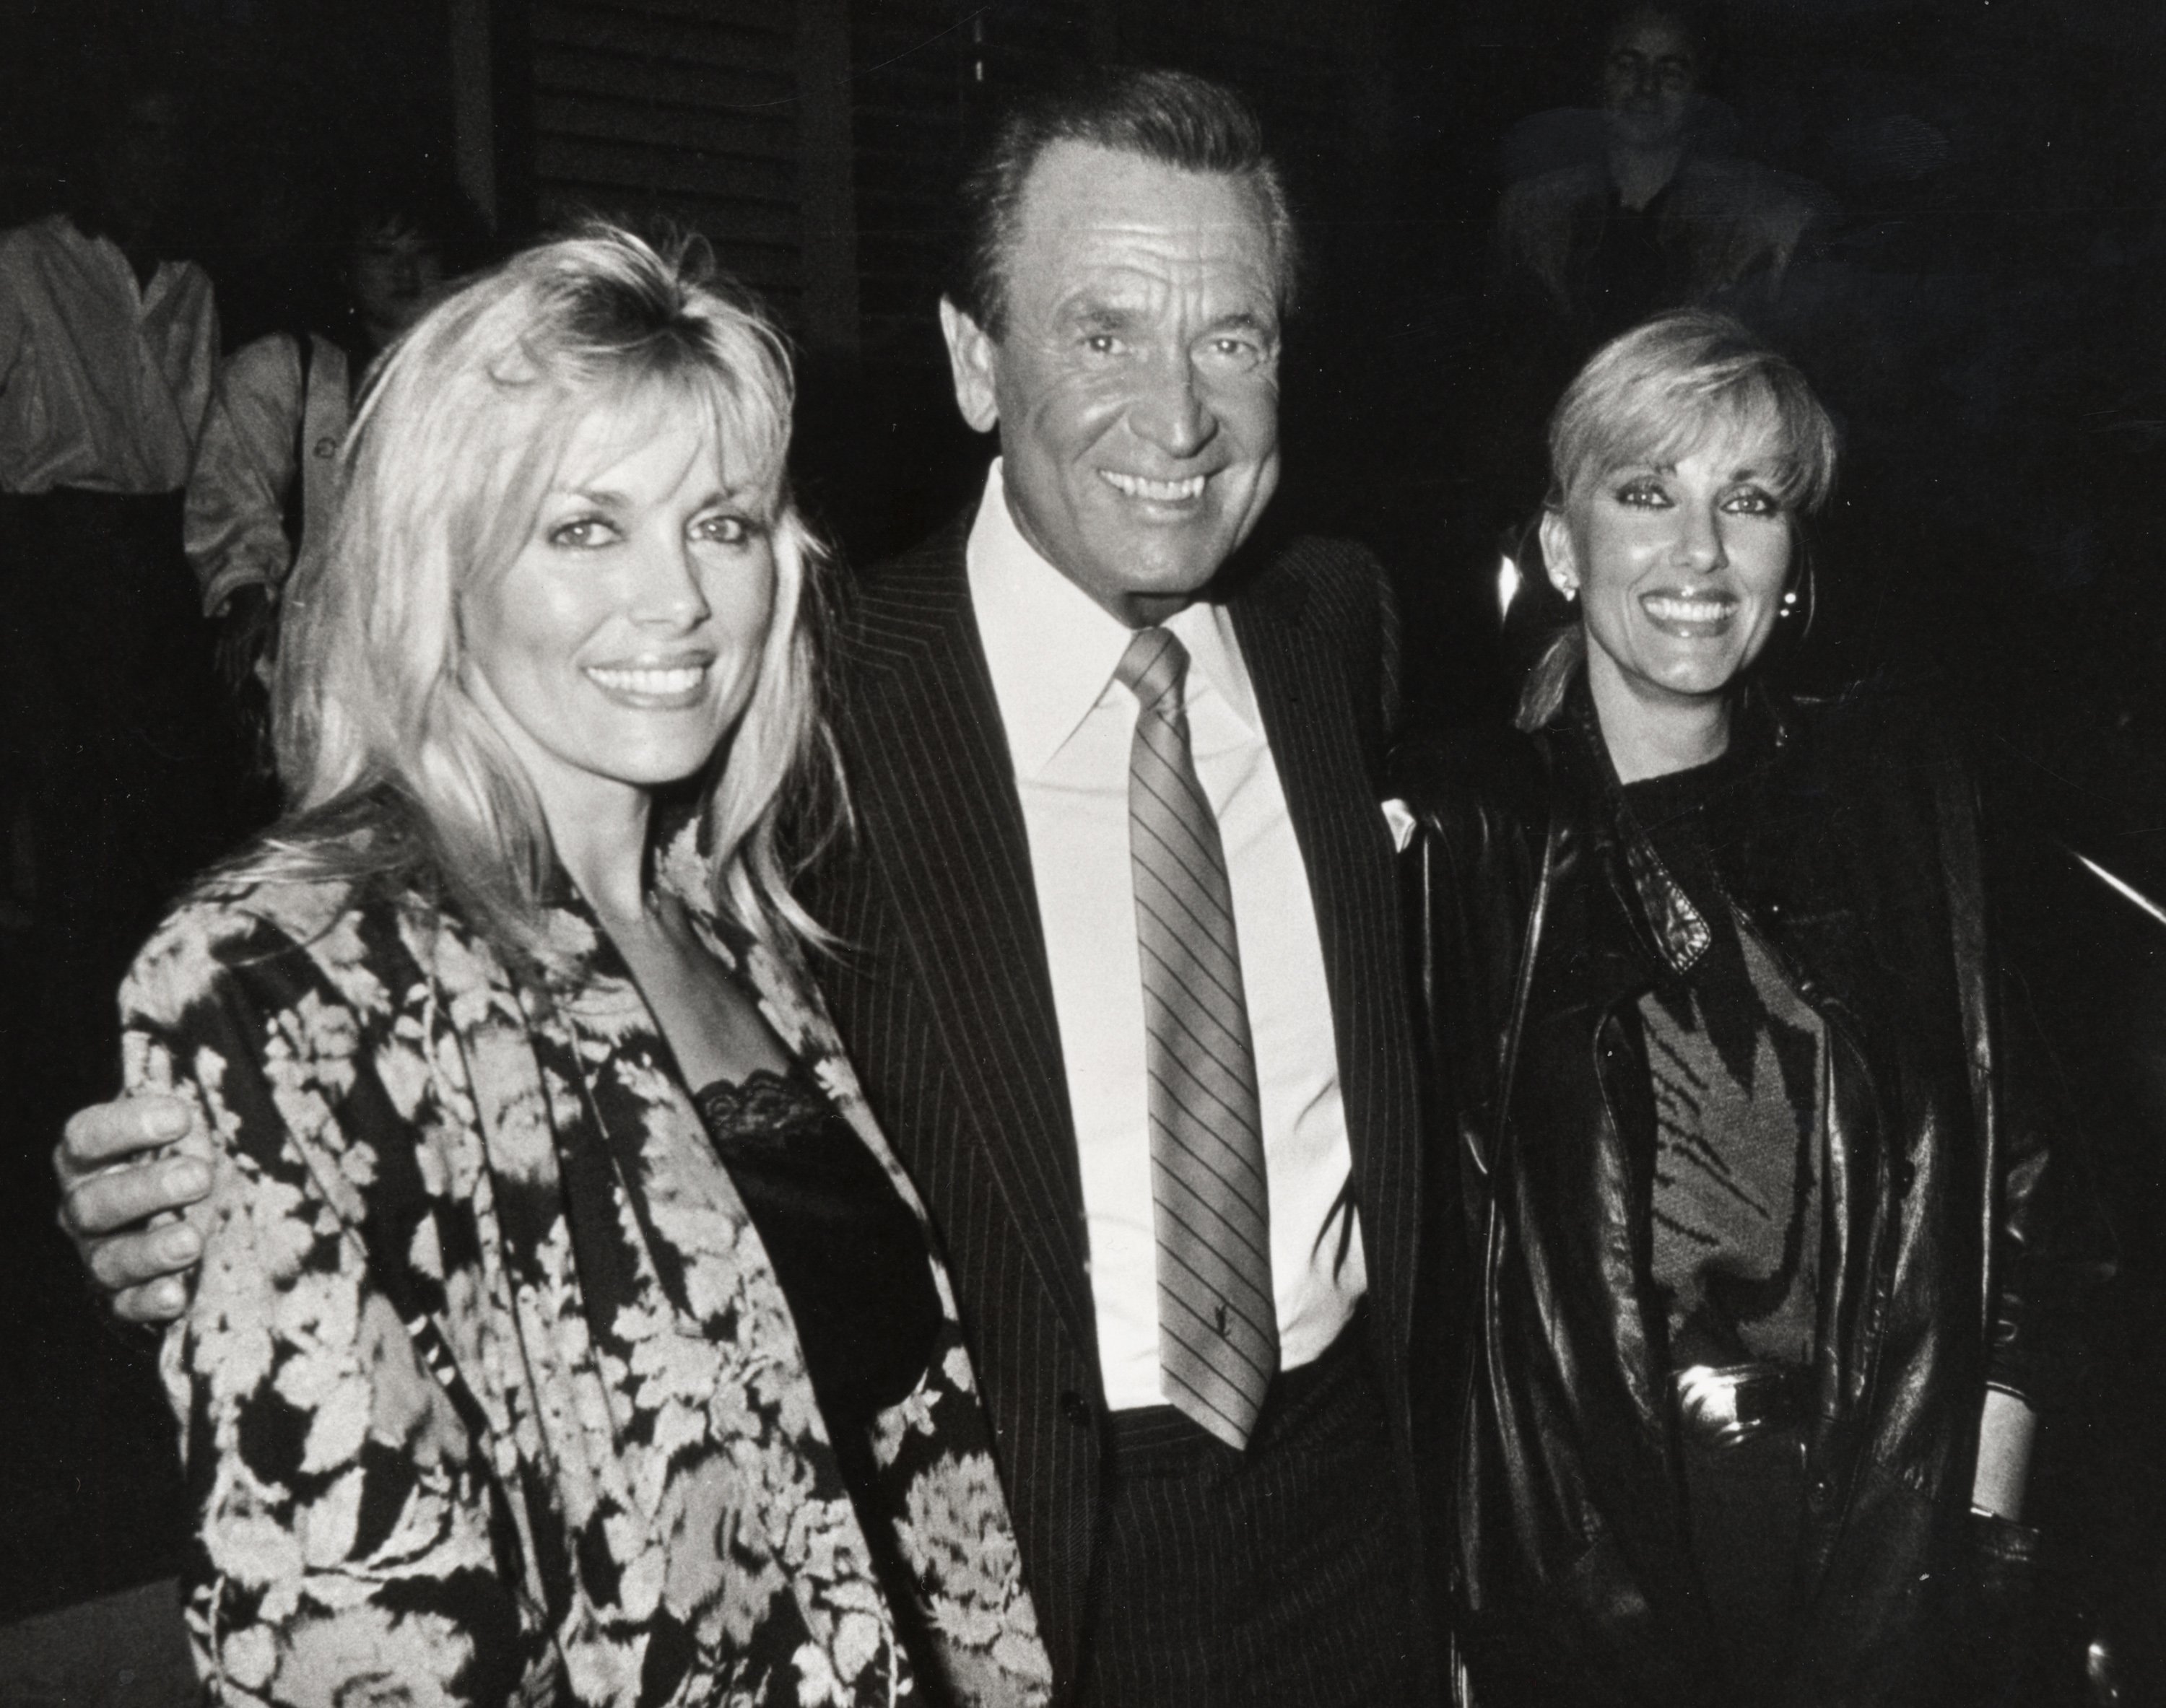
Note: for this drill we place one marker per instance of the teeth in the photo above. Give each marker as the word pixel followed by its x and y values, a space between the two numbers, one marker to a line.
pixel 681 680
pixel 1688 610
pixel 1164 491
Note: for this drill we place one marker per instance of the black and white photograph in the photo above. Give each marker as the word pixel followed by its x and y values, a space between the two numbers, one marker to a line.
pixel 1083 853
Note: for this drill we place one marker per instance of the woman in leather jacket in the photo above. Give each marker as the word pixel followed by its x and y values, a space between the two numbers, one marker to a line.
pixel 1751 1194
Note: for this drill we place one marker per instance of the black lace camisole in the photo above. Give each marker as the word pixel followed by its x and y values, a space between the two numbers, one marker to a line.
pixel 849 1253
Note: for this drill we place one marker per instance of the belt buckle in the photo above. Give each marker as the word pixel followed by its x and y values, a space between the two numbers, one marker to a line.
pixel 1730 1405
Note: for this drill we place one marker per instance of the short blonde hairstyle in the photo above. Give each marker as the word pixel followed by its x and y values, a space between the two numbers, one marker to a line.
pixel 1653 395
pixel 451 452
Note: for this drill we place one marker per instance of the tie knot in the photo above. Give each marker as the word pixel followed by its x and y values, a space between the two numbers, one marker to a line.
pixel 1153 668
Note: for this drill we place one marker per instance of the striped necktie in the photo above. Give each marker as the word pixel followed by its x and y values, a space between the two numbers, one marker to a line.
pixel 1218 1325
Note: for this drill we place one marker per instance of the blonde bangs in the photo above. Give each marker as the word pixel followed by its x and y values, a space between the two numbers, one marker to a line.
pixel 1657 393
pixel 457 439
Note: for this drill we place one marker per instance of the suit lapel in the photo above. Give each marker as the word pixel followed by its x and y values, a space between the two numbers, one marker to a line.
pixel 942 826
pixel 1322 752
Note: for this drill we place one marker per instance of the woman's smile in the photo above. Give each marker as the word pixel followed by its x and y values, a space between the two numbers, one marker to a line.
pixel 664 686
pixel 1690 616
pixel 1679 567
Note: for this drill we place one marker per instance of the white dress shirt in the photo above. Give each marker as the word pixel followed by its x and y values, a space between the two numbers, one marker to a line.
pixel 1070 724
pixel 103 383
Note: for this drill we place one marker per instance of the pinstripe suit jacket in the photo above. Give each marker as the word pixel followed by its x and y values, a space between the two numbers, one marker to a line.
pixel 945 1004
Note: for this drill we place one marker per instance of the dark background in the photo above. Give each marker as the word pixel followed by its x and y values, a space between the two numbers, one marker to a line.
pixel 1983 310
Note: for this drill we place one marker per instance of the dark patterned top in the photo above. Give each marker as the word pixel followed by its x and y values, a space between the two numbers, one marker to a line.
pixel 1735 1057
pixel 851 1258
pixel 855 1266
pixel 489 1392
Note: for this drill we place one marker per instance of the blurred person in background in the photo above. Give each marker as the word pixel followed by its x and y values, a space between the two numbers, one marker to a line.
pixel 1657 218
pixel 266 472
pixel 1639 205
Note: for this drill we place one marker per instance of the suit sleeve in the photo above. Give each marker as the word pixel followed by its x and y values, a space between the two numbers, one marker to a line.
pixel 344 1531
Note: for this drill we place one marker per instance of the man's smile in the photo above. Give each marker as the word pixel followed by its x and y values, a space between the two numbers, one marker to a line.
pixel 1163 491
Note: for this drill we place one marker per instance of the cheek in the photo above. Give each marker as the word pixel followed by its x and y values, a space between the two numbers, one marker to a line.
pixel 741 598
pixel 1613 557
pixel 1061 410
pixel 525 626
pixel 1763 564
pixel 1247 412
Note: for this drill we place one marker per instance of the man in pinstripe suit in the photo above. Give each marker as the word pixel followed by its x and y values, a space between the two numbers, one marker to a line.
pixel 1116 318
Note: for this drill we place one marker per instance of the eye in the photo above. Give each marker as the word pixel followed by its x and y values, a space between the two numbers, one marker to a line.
pixel 1100 343
pixel 1234 350
pixel 726 528
pixel 1642 493
pixel 1752 501
pixel 584 532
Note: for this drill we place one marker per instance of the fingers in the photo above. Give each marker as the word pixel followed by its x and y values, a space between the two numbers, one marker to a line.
pixel 113 1181
pixel 96 1205
pixel 154 1302
pixel 145 1266
pixel 112 1133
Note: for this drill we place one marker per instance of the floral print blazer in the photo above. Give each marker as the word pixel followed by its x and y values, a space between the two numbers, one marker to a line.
pixel 449 1444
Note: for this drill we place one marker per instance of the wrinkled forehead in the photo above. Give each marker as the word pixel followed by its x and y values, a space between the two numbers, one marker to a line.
pixel 1088 215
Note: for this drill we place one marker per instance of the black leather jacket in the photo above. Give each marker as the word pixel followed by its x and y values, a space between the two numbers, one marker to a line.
pixel 1861 871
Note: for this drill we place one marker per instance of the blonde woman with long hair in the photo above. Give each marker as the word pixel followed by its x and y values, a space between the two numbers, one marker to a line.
pixel 566 1330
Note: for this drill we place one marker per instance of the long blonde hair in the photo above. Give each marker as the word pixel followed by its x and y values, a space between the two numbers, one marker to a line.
pixel 446 467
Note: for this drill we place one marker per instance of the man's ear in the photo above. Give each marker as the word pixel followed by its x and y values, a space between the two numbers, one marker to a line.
pixel 1559 557
pixel 971 361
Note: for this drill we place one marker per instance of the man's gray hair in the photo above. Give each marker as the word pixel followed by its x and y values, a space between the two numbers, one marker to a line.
pixel 1172 117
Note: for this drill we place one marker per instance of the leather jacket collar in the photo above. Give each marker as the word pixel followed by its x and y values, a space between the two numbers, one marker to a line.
pixel 1666 929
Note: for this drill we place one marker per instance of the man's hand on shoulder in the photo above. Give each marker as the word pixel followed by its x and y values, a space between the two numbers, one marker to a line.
pixel 121 1200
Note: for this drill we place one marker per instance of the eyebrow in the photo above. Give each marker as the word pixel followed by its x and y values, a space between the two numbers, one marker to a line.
pixel 1744 470
pixel 1105 317
pixel 1099 317
pixel 610 498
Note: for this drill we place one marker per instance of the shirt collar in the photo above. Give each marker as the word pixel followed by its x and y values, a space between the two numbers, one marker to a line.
pixel 1053 649
pixel 87 236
